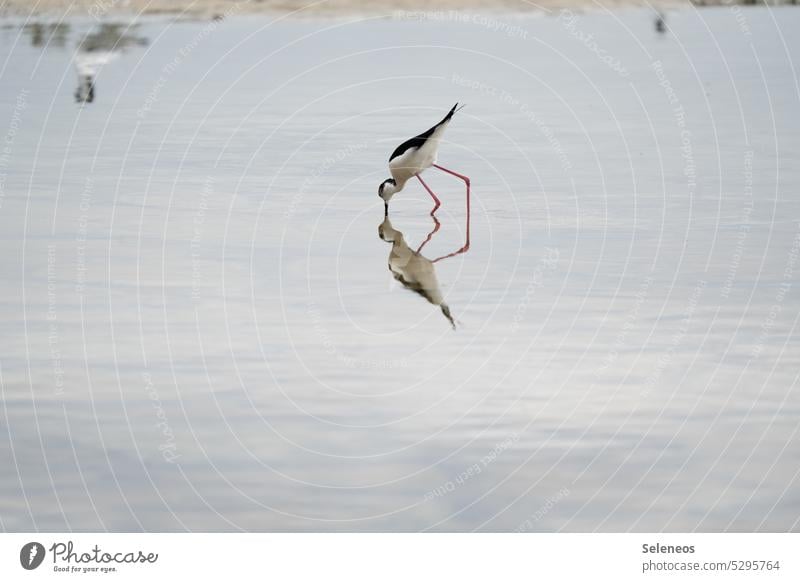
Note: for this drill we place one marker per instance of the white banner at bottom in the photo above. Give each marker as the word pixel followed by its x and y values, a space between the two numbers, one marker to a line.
pixel 400 557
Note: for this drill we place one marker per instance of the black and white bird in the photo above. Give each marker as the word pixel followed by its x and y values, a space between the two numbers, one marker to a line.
pixel 414 156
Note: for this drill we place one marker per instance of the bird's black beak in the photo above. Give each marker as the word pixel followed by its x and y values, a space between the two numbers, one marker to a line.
pixel 385 208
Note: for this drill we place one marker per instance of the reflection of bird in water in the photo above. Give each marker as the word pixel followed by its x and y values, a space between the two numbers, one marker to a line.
pixel 661 23
pixel 412 270
pixel 96 50
pixel 414 156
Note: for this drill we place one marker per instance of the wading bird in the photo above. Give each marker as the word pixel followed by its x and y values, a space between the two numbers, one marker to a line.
pixel 414 156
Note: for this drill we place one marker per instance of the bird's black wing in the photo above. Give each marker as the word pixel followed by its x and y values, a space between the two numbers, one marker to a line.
pixel 418 141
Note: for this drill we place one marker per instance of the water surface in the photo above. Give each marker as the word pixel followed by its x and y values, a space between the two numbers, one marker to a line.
pixel 202 331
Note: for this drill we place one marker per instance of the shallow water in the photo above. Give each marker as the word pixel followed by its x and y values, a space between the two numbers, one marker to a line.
pixel 200 330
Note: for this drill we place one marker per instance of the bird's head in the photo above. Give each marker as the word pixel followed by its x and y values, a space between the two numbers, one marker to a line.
pixel 387 189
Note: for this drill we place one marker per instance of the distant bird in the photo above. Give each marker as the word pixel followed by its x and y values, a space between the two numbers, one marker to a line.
pixel 414 156
pixel 412 270
pixel 661 23
pixel 88 64
pixel 95 50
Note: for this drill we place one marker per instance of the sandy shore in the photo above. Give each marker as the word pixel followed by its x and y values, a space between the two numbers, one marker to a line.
pixel 212 8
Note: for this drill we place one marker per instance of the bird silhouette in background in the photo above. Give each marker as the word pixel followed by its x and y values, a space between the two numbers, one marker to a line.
pixel 95 50
pixel 661 23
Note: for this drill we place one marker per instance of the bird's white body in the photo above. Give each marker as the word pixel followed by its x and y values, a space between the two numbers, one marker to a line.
pixel 88 64
pixel 415 160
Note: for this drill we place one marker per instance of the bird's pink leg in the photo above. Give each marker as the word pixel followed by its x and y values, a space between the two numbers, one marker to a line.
pixel 466 181
pixel 436 201
pixel 436 227
pixel 463 249
pixel 456 174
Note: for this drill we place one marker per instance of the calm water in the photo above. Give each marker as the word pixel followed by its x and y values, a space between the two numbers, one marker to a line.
pixel 200 331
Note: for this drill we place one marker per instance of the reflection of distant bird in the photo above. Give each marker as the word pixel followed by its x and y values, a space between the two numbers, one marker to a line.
pixel 85 91
pixel 412 270
pixel 414 156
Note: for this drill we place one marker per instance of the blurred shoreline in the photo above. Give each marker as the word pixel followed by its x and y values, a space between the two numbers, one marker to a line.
pixel 396 9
